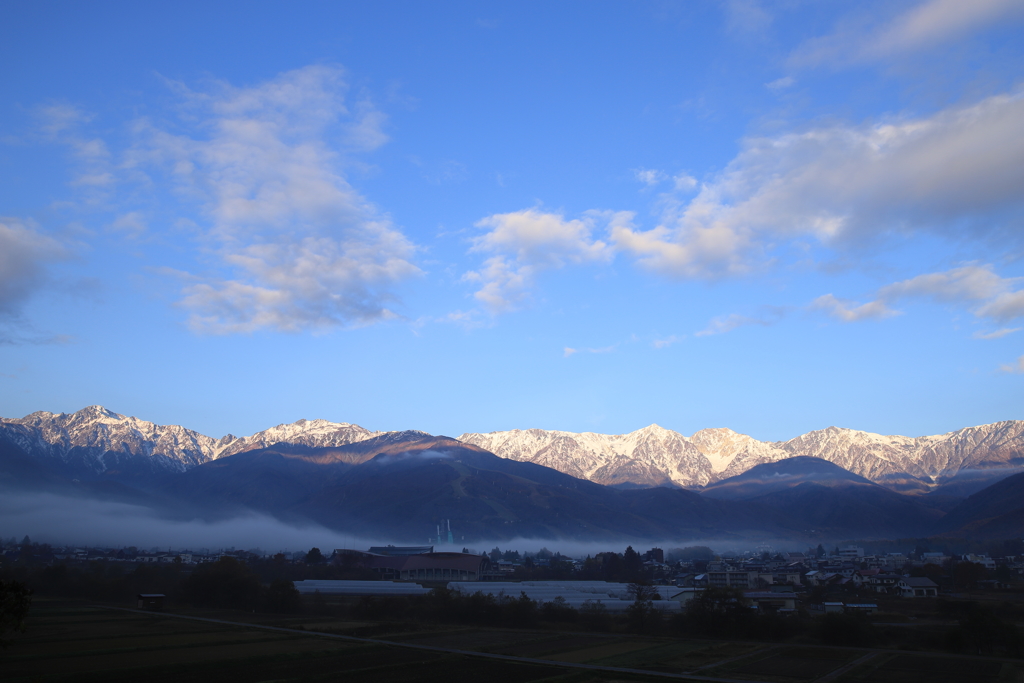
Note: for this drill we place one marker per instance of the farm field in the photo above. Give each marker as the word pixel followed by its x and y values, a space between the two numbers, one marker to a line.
pixel 75 641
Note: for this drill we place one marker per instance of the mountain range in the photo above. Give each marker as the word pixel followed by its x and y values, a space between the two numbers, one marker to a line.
pixel 95 440
pixel 833 483
pixel 656 456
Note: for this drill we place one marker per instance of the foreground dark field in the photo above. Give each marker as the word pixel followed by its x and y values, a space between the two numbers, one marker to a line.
pixel 72 640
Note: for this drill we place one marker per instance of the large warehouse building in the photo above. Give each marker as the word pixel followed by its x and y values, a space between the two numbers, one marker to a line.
pixel 405 564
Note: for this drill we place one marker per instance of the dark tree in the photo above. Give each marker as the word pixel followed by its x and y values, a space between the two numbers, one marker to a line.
pixel 15 600
pixel 314 556
pixel 642 614
pixel 717 611
pixel 224 583
pixel 632 564
pixel 968 574
pixel 282 597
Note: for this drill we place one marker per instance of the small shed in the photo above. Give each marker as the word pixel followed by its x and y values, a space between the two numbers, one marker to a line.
pixel 771 601
pixel 151 601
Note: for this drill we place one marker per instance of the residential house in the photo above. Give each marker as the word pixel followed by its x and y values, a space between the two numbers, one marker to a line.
pixel 917 587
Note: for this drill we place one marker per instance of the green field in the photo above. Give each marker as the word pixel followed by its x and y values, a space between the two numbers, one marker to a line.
pixel 74 641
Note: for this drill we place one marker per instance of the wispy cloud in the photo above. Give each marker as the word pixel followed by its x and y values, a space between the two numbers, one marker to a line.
pixel 649 176
pixel 569 351
pixel 1015 368
pixel 26 257
pixel 298 246
pixel 747 17
pixel 728 323
pixel 976 286
pixel 526 243
pixel 994 297
pixel 665 342
pixel 780 83
pixel 927 25
pixel 132 224
pixel 94 171
pixel 997 334
pixel 972 282
pixel 954 173
pixel 851 311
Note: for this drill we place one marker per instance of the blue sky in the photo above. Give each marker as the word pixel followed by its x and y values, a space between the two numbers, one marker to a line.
pixel 453 217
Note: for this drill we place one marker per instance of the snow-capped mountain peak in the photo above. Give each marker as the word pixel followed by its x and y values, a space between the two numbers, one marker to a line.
pixel 96 440
pixel 654 455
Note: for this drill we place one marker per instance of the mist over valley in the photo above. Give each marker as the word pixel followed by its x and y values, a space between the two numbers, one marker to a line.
pixel 343 481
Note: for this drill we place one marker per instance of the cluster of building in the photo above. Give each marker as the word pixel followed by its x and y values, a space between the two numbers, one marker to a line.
pixel 47 555
pixel 778 581
pixel 422 563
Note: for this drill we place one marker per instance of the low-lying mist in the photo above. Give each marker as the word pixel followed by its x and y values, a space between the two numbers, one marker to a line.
pixel 60 520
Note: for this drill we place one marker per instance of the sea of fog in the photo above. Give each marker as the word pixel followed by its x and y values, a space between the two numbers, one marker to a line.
pixel 61 521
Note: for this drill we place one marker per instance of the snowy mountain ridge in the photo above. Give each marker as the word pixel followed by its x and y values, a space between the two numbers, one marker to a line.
pixel 95 440
pixel 654 455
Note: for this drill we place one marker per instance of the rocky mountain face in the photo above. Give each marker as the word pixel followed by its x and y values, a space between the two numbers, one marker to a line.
pixel 95 440
pixel 656 456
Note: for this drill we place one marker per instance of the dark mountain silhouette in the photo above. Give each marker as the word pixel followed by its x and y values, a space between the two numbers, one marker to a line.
pixel 19 470
pixel 969 482
pixel 403 485
pixel 781 475
pixel 994 512
pixel 829 499
pixel 400 485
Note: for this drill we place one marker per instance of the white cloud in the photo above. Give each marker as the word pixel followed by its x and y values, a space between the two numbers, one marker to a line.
pixel 724 324
pixel 978 286
pixel 780 83
pixel 993 297
pixel 132 223
pixel 996 334
pixel 953 173
pixel 94 172
pixel 1016 368
pixel 968 283
pixel 684 182
pixel 528 242
pixel 25 255
pixel 667 341
pixel 747 17
pixel 850 311
pixel 569 351
pixel 926 26
pixel 1005 307
pixel 55 120
pixel 648 176
pixel 299 248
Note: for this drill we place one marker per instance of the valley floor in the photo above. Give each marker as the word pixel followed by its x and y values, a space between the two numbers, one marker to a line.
pixel 77 641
